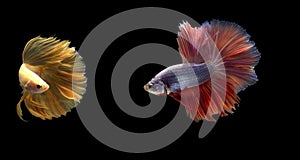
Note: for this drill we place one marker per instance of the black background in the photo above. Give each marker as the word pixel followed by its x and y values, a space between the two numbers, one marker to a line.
pixel 256 128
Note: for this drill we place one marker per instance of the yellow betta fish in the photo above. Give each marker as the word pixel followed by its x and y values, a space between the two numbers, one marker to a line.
pixel 52 77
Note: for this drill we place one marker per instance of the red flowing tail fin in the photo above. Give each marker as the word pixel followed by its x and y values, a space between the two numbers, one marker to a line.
pixel 238 53
pixel 230 56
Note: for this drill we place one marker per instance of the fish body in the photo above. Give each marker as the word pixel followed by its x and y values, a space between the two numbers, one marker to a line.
pixel 52 77
pixel 218 59
pixel 188 74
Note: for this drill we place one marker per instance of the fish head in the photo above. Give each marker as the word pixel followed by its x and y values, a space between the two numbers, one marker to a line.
pixel 31 81
pixel 36 87
pixel 156 87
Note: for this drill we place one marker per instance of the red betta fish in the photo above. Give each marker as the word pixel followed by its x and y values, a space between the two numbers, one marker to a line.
pixel 214 53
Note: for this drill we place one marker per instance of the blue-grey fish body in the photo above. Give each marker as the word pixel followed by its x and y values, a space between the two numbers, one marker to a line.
pixel 182 76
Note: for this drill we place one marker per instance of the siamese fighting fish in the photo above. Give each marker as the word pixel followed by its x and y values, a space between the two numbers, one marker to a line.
pixel 52 77
pixel 218 59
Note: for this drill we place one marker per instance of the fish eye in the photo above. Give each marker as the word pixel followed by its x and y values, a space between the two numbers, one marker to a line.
pixel 38 86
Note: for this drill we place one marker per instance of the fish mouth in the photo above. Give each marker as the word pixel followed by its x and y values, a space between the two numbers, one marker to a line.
pixel 146 87
pixel 47 87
